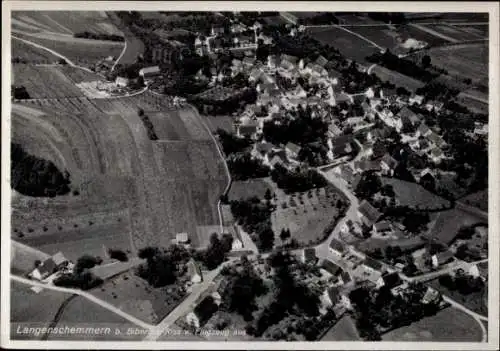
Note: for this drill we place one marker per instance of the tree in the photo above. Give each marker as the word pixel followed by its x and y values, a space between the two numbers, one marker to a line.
pixel 426 61
pixel 285 234
pixel 86 262
pixel 118 255
pixel 268 195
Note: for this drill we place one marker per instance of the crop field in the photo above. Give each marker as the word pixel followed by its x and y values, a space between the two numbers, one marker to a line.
pixel 23 258
pixel 243 189
pixel 30 309
pixel 454 32
pixel 66 22
pixel 412 32
pixel 45 81
pixel 222 122
pixel 466 61
pixel 30 53
pixel 307 220
pixel 132 192
pixel 383 36
pixel 414 195
pixel 349 45
pixel 450 324
pixel 177 125
pixel 83 313
pixel 81 51
pixel 133 295
pixel 400 80
pixel 449 222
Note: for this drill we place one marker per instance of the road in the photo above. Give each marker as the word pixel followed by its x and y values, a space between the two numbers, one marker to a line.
pixel 87 295
pixel 186 305
pixel 119 57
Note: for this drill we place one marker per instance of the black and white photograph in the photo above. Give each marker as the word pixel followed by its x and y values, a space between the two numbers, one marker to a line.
pixel 243 175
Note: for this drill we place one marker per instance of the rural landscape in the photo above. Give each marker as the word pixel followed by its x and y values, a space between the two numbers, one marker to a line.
pixel 249 176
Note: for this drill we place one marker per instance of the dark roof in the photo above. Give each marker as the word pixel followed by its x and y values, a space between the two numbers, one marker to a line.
pixel 47 267
pixel 391 280
pixel 368 211
pixel 264 147
pixel 289 58
pixel 370 262
pixel 381 133
pixel 293 147
pixel 247 129
pixel 333 293
pixel 310 254
pixel 389 161
pixel 406 112
pixel 367 165
pixel 331 267
pixel 205 309
pixel 382 226
pixel 321 60
pixel 443 257
pixel 337 245
pixel 346 277
pixel 342 145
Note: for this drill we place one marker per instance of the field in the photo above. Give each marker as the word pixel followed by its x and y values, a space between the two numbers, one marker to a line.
pixel 222 122
pixel 478 199
pixel 400 80
pixel 133 295
pixel 343 330
pixel 23 258
pixel 132 192
pixel 30 53
pixel 406 244
pixel 66 22
pixel 243 189
pixel 80 51
pixel 477 301
pixel 50 81
pixel 465 61
pixel 449 325
pixel 350 45
pixel 448 223
pixel 414 195
pixel 82 313
pixel 457 33
pixel 306 221
pixel 30 309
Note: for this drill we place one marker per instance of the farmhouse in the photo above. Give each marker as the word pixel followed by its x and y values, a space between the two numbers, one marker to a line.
pixel 122 81
pixel 50 266
pixel 292 150
pixel 337 247
pixel 247 130
pixel 149 73
pixel 423 130
pixel 388 164
pixel 416 99
pixel 431 296
pixel 372 265
pixel 331 267
pixel 441 258
pixel 194 271
pixel 367 213
pixel 382 227
pixel 366 165
pixel 309 255
pixel 202 312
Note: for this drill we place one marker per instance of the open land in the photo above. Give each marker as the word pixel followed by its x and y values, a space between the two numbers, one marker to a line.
pixel 31 54
pixel 400 80
pixel 31 309
pixel 82 313
pixel 478 199
pixel 243 189
pixel 344 330
pixel 476 301
pixel 448 223
pixel 449 324
pixel 414 195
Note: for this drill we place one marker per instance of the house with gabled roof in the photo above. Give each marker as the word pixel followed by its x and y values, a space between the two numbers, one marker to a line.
pixel 309 255
pixel 331 267
pixel 436 155
pixel 388 164
pixel 372 265
pixel 292 150
pixel 364 165
pixel 50 266
pixel 321 61
pixel 367 213
pixel 337 247
pixel 416 99
pixel 389 280
pixel 194 271
pixel 382 227
pixel 441 258
pixel 423 130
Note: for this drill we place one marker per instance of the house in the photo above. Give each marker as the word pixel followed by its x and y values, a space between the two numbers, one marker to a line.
pixel 367 213
pixel 334 295
pixel 279 158
pixel 50 266
pixel 389 280
pixel 331 267
pixel 262 150
pixel 416 99
pixel 248 61
pixel 217 31
pixel 290 61
pixel 321 61
pixel 431 296
pixel 423 130
pixel 480 129
pixel 337 247
pixel 435 140
pixel 202 312
pixel 363 165
pixel 434 106
pixel 345 172
pixel 342 146
pixel 255 74
pixel 473 271
pixel 345 277
pixel 194 271
pixel 237 244
pixel 382 227
pixel 248 130
pixel 238 28
pixel 388 164
pixel 309 255
pixel 372 265
pixel 436 155
pixel 292 150
pixel 441 258
pixel 378 134
pixel 333 130
pixel 273 61
pixel 257 25
pixel 150 72
pixel 122 81
pixel 298 92
pixel 182 238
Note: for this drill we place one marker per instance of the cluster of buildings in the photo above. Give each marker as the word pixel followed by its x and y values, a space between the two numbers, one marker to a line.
pixel 51 267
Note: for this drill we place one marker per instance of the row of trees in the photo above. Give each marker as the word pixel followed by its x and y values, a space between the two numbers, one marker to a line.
pixel 231 144
pixel 162 267
pixel 297 181
pixel 464 284
pixel 99 36
pixel 34 176
pixel 255 217
pixel 81 277
pixel 242 167
pixel 150 129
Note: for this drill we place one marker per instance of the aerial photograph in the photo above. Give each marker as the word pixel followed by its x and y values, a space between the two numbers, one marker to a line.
pixel 249 176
